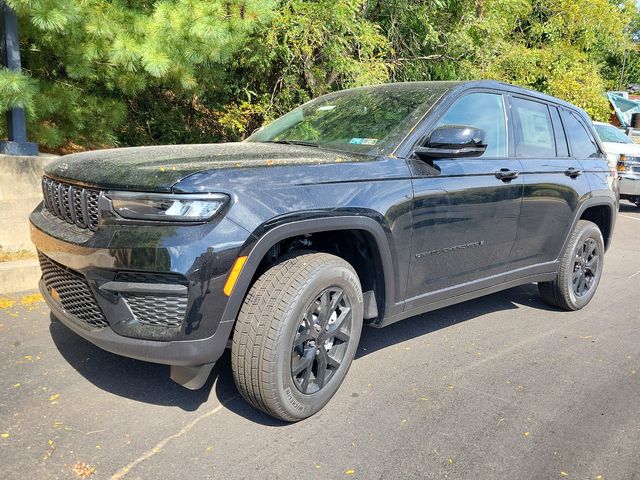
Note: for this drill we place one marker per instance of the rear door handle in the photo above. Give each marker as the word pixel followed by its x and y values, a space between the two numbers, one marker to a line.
pixel 506 175
pixel 572 172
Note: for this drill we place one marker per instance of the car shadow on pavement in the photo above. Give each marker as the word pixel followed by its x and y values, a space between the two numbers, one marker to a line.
pixel 150 383
pixel 374 339
pixel 126 377
pixel 628 207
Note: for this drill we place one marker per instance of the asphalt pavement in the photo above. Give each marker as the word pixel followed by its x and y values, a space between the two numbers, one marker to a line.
pixel 500 387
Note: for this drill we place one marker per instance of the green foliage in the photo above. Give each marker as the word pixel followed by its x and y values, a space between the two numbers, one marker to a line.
pixel 91 58
pixel 16 90
pixel 127 72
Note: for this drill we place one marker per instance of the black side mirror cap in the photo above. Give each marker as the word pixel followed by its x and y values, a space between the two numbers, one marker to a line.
pixel 453 141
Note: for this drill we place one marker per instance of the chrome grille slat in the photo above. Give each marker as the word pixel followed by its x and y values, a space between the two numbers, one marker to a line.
pixel 74 205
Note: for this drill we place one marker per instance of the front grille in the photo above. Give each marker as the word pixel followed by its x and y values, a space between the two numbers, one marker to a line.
pixel 157 310
pixel 74 292
pixel 75 205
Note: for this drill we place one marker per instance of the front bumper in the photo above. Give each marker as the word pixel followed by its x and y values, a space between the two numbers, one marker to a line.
pixel 100 277
pixel 629 184
pixel 182 353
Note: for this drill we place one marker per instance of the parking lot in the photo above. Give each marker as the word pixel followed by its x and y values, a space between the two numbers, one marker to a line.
pixel 499 387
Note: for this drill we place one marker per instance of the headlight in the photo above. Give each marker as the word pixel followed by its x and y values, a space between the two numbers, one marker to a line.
pixel 167 207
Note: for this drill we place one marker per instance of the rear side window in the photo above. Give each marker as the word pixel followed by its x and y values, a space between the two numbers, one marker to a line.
pixel 533 129
pixel 485 111
pixel 582 143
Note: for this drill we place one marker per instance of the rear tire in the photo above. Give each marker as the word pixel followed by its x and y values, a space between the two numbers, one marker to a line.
pixel 580 269
pixel 296 335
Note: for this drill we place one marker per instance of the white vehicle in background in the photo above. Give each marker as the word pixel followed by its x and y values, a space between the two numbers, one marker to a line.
pixel 624 155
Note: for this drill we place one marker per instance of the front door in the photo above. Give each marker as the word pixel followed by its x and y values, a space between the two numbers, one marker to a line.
pixel 465 211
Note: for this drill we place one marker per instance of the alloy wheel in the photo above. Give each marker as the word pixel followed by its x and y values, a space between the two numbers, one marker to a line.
pixel 585 267
pixel 321 341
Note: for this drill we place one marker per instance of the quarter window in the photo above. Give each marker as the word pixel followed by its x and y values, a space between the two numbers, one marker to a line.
pixel 582 144
pixel 533 129
pixel 485 111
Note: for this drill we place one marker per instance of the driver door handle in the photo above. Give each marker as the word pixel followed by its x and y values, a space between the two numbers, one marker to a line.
pixel 572 172
pixel 506 175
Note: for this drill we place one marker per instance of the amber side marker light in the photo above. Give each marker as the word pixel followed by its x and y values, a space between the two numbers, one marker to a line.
pixel 233 276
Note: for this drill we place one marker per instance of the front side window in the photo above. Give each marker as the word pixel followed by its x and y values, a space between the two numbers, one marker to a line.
pixel 582 144
pixel 485 111
pixel 533 129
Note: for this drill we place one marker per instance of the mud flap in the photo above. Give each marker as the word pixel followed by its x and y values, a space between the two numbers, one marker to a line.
pixel 192 378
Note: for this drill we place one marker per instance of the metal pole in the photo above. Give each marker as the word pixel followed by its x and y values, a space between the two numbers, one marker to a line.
pixel 16 122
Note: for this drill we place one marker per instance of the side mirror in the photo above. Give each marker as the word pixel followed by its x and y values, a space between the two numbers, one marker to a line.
pixel 453 141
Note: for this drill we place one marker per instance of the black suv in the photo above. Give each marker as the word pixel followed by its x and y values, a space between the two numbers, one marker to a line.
pixel 365 206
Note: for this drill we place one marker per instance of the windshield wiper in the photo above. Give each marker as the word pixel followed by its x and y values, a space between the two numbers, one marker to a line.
pixel 294 142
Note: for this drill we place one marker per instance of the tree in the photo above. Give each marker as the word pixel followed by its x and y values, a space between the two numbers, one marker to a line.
pixel 86 59
pixel 130 72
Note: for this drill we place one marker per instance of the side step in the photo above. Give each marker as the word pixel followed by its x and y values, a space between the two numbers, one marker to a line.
pixel 192 378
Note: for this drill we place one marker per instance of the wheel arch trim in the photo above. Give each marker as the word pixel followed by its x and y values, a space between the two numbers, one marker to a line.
pixel 293 229
pixel 594 202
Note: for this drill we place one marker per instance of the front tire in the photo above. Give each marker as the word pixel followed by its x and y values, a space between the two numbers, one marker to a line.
pixel 580 269
pixel 296 335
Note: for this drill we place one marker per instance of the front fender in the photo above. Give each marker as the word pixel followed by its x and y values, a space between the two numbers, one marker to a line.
pixel 268 239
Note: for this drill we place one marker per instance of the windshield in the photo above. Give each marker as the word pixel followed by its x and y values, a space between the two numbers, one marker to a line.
pixel 370 120
pixel 609 133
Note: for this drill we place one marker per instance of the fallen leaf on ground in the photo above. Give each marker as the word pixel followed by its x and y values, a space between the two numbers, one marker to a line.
pixel 83 470
pixel 4 435
pixel 526 434
pixel 564 474
pixel 54 397
pixel 6 303
pixel 349 472
pixel 31 299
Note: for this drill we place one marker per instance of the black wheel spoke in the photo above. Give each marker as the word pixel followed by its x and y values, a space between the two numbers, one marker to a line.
pixel 303 337
pixel 305 380
pixel 305 362
pixel 335 300
pixel 341 335
pixel 325 313
pixel 332 362
pixel 321 377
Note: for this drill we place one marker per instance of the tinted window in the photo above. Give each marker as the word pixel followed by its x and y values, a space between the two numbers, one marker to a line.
pixel 485 111
pixel 582 145
pixel 533 129
pixel 561 139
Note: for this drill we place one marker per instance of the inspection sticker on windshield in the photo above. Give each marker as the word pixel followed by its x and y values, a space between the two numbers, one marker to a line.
pixel 363 141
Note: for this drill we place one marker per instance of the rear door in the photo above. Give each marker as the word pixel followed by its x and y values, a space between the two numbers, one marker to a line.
pixel 465 211
pixel 554 179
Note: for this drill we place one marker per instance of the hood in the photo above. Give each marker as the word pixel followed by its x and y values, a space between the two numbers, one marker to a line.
pixel 629 149
pixel 158 168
